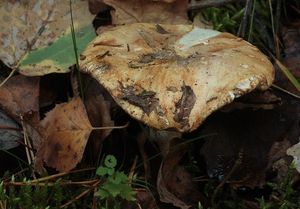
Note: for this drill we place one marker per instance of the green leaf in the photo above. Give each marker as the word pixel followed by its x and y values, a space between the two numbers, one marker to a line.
pixel 102 194
pixel 288 74
pixel 121 177
pixel 110 161
pixel 113 189
pixel 102 171
pixel 58 56
pixel 127 192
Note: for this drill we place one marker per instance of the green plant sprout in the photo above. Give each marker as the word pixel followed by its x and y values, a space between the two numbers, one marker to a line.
pixel 115 187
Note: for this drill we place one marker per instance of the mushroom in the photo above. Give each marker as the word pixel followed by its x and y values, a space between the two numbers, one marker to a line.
pixel 172 77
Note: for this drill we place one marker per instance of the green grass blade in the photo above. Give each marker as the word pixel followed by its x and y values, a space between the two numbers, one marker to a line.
pixel 288 74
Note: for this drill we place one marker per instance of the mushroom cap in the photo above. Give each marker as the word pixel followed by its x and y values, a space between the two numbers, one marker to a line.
pixel 174 76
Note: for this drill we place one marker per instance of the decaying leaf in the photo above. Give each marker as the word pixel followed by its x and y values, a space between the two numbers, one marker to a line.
pixel 174 76
pixel 174 183
pixel 136 11
pixel 19 97
pixel 9 132
pixel 36 33
pixel 66 131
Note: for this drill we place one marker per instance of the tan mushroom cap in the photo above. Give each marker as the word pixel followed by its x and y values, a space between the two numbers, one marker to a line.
pixel 174 76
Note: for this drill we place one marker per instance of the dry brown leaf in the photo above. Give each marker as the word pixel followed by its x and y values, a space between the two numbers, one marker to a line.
pixel 135 11
pixel 19 96
pixel 66 131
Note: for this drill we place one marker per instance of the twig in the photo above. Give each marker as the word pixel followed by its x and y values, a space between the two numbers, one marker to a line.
pixel 8 77
pixel 80 195
pixel 51 183
pixel 28 147
pixel 59 175
pixel 285 91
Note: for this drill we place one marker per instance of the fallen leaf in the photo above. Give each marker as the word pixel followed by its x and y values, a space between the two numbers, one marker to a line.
pixel 19 97
pixel 36 33
pixel 9 132
pixel 134 11
pixel 174 183
pixel 66 131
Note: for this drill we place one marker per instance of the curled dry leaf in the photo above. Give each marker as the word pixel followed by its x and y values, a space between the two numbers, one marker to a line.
pixel 19 96
pixel 30 31
pixel 174 76
pixel 66 131
pixel 135 11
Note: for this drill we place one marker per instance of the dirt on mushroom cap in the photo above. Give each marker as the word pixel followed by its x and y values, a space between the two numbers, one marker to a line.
pixel 174 76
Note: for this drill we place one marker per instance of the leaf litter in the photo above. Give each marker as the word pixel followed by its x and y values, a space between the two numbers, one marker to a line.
pixel 259 144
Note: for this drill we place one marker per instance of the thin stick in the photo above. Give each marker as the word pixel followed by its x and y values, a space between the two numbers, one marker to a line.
pixel 285 91
pixel 28 147
pixel 51 183
pixel 80 195
pixel 29 155
pixel 59 175
pixel 8 77
pixel 76 52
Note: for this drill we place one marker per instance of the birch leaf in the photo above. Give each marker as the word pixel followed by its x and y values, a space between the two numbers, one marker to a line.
pixel 36 34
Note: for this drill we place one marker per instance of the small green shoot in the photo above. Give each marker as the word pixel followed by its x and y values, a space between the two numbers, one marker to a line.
pixel 115 187
pixel 224 19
